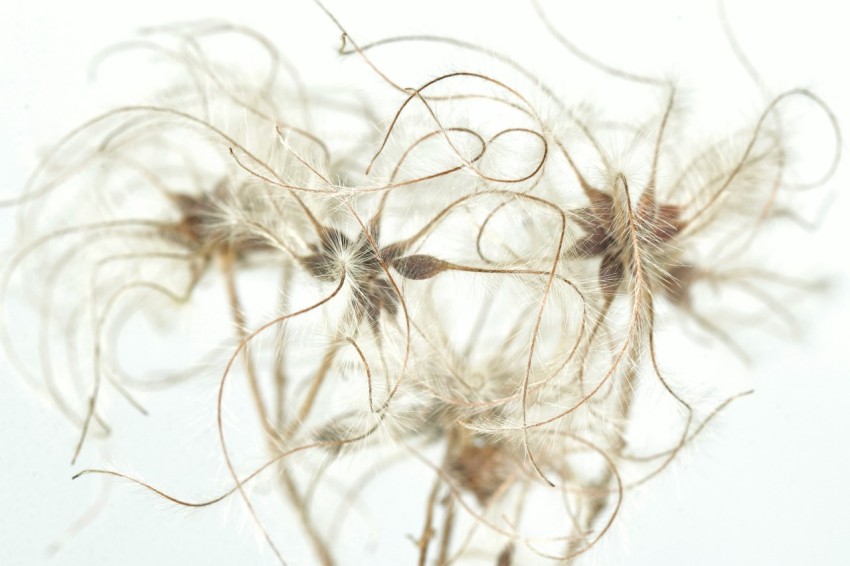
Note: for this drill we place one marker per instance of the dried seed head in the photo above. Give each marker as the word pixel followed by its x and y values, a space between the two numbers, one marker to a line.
pixel 481 468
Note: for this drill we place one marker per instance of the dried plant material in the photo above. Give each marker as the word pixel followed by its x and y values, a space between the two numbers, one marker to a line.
pixel 469 284
pixel 481 470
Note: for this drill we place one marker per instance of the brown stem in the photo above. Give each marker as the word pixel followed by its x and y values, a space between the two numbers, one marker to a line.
pixel 446 532
pixel 424 541
pixel 280 378
pixel 228 259
pixel 319 545
pixel 313 392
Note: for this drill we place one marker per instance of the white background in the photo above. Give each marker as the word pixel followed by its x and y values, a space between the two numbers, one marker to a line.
pixel 767 485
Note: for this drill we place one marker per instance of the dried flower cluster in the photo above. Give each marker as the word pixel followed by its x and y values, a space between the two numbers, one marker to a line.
pixel 468 281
